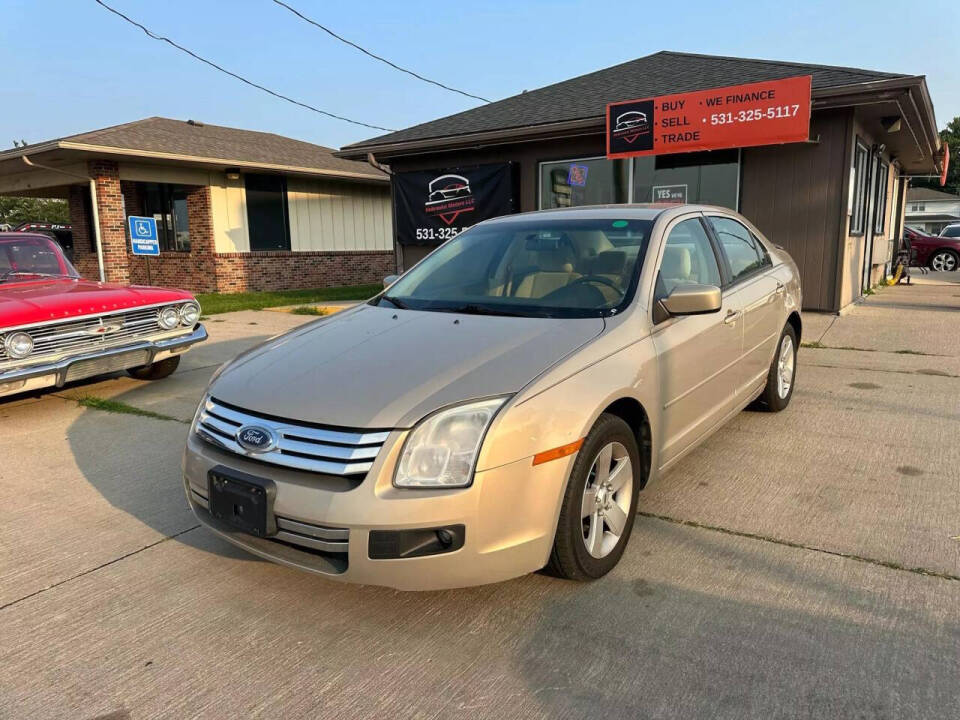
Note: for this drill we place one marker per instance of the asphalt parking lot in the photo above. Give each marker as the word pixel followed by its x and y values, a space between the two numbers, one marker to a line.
pixel 798 565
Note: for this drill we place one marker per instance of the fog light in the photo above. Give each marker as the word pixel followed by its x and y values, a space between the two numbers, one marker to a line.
pixel 18 345
pixel 169 318
pixel 189 314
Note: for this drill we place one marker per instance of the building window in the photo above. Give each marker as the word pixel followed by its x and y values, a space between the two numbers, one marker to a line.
pixel 860 169
pixel 880 201
pixel 167 204
pixel 267 219
pixel 707 177
pixel 593 181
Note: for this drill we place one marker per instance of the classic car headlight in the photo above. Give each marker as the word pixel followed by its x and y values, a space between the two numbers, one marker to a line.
pixel 189 314
pixel 18 345
pixel 168 318
pixel 441 451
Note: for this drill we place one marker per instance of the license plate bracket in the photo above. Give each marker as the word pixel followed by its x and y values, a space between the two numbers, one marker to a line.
pixel 242 501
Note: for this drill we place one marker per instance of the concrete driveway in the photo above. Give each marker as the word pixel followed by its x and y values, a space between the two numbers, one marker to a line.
pixel 800 565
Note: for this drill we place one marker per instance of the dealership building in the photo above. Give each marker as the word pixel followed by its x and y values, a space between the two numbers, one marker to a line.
pixel 833 197
pixel 235 209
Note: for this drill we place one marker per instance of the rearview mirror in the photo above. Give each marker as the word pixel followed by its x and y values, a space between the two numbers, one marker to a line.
pixel 693 299
pixel 389 280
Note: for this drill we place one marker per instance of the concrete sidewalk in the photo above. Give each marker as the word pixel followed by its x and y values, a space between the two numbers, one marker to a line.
pixel 798 565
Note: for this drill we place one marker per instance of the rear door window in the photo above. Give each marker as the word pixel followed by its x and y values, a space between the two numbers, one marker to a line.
pixel 745 254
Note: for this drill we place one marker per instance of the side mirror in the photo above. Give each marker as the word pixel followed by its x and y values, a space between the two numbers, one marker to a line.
pixel 389 280
pixel 693 299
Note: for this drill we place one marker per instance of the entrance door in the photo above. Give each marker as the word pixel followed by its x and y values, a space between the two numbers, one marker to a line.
pixel 868 230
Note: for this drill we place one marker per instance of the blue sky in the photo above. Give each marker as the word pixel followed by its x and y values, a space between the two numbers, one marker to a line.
pixel 72 66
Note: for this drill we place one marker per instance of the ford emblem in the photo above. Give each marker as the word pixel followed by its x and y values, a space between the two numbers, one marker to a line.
pixel 256 439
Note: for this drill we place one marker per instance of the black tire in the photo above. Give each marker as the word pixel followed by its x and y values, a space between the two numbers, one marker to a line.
pixel 155 371
pixel 772 397
pixel 570 558
pixel 950 261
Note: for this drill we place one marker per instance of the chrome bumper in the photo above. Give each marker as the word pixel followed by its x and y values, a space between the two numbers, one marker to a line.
pixel 57 371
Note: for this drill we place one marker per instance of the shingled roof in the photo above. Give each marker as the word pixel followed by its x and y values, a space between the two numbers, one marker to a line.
pixel 923 193
pixel 164 138
pixel 585 97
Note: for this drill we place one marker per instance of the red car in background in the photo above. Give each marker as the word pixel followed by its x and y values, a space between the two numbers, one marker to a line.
pixel 56 327
pixel 934 251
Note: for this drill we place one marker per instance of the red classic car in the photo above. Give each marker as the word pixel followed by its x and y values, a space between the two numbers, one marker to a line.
pixel 56 327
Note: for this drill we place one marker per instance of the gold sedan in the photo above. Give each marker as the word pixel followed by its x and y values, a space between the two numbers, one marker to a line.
pixel 498 409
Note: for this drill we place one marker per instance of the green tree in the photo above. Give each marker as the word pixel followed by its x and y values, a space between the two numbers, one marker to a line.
pixel 16 210
pixel 950 135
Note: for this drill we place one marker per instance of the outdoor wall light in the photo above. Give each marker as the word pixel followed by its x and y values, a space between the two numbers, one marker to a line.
pixel 233 174
pixel 891 123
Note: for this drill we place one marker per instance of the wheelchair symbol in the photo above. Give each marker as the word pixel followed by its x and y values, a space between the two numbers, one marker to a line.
pixel 142 228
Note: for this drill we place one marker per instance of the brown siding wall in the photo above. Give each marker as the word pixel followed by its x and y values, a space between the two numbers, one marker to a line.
pixel 795 194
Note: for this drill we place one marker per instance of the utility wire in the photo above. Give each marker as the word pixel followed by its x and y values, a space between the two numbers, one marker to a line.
pixel 374 56
pixel 242 79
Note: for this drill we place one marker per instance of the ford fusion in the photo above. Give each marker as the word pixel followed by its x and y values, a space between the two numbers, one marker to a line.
pixel 498 409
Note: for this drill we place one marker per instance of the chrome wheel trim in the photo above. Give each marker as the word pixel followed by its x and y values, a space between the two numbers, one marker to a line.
pixel 607 495
pixel 944 261
pixel 786 362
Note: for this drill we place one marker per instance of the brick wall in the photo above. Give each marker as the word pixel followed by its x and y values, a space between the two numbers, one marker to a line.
pixel 239 272
pixel 202 269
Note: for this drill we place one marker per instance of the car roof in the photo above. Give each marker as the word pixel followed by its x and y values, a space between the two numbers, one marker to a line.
pixel 625 211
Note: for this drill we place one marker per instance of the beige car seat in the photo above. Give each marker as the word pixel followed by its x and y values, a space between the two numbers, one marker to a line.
pixel 677 267
pixel 555 271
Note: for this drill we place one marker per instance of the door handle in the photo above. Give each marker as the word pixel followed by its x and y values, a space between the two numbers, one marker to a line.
pixel 780 288
pixel 731 317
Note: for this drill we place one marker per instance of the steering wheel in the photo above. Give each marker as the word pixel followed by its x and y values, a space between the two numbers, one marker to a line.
pixel 597 279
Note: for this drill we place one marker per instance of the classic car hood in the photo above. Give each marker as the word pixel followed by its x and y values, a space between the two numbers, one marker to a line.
pixel 37 301
pixel 381 368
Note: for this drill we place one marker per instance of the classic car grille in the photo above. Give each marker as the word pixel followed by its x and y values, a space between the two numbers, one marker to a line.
pixel 90 334
pixel 302 446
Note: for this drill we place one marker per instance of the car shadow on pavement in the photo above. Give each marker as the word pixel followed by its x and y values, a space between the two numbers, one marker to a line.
pixel 134 461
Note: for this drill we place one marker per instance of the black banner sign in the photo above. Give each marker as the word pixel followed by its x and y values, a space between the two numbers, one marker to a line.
pixel 432 206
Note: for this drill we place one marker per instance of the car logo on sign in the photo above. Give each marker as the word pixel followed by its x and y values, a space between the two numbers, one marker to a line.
pixel 256 439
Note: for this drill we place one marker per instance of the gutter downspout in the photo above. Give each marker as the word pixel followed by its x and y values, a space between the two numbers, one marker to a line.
pixel 93 206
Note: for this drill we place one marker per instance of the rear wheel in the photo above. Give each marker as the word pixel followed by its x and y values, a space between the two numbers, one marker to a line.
pixel 944 260
pixel 155 371
pixel 599 505
pixel 783 371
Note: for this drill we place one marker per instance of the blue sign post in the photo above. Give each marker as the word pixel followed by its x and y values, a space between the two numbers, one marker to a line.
pixel 143 235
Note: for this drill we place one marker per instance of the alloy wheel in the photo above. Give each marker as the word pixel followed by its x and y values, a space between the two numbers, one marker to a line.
pixel 606 500
pixel 785 365
pixel 944 261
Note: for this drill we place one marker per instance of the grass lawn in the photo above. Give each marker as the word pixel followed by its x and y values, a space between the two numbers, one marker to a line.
pixel 214 303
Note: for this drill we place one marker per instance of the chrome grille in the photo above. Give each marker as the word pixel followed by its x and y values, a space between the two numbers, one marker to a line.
pixel 301 446
pixel 75 337
pixel 103 365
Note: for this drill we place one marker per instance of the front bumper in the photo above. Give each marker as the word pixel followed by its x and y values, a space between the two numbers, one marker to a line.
pixel 509 515
pixel 56 374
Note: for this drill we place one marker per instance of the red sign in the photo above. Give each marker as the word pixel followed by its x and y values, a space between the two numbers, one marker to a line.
pixel 946 164
pixel 763 113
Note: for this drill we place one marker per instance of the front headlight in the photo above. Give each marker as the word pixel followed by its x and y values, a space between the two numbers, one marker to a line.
pixel 18 345
pixel 189 314
pixel 441 451
pixel 168 318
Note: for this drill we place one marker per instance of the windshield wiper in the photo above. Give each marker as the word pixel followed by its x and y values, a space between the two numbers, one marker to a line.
pixel 475 309
pixel 15 273
pixel 396 303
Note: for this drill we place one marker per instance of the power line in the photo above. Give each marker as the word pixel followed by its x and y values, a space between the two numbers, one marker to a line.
pixel 375 56
pixel 242 79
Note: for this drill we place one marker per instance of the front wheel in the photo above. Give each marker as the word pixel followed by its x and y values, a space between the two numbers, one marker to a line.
pixel 783 372
pixel 155 371
pixel 599 505
pixel 944 261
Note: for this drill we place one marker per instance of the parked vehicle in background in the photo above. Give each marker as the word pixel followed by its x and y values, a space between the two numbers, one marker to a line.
pixel 500 406
pixel 61 232
pixel 952 230
pixel 56 327
pixel 938 252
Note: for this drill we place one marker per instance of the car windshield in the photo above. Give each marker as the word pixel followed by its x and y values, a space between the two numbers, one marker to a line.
pixel 32 256
pixel 530 268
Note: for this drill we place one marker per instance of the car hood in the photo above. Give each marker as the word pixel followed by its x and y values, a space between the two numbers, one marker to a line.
pixel 37 301
pixel 380 368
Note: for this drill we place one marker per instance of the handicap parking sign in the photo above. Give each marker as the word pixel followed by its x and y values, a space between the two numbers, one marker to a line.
pixel 143 235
